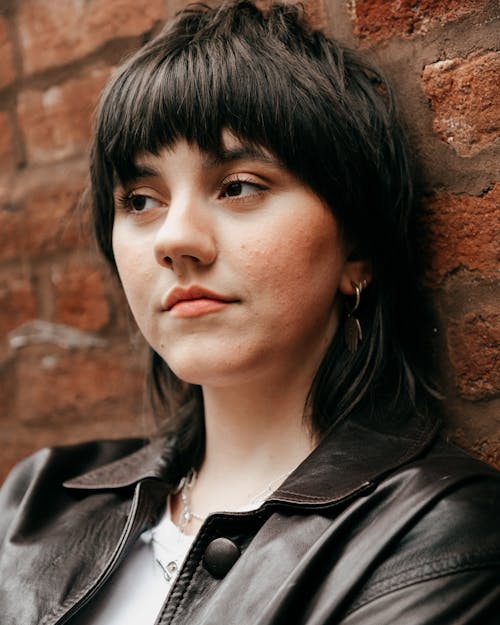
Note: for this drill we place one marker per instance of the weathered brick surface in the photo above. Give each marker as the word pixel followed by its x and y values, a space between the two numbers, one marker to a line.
pixel 51 395
pixel 37 218
pixel 56 121
pixel 7 70
pixel 55 33
pixel 80 294
pixel 474 347
pixel 7 150
pixel 316 11
pixel 463 234
pixel 60 386
pixel 17 300
pixel 488 451
pixel 376 20
pixel 464 97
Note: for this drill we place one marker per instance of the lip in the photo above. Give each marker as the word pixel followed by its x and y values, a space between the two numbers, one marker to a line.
pixel 194 301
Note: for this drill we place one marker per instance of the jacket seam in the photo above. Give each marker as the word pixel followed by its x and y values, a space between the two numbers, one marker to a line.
pixel 415 575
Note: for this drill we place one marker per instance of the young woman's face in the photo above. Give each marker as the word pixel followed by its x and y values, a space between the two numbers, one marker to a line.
pixel 230 264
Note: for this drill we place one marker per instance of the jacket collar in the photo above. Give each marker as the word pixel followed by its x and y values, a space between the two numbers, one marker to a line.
pixel 353 456
pixel 146 462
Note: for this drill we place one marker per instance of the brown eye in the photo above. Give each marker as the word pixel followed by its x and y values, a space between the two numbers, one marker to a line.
pixel 241 188
pixel 234 188
pixel 138 202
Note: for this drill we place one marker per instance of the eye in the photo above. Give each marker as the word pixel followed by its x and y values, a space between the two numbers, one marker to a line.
pixel 240 188
pixel 138 202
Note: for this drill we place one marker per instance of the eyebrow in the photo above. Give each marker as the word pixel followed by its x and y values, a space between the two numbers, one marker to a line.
pixel 225 156
pixel 135 170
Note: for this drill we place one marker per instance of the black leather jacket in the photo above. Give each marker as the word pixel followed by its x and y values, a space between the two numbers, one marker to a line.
pixel 373 528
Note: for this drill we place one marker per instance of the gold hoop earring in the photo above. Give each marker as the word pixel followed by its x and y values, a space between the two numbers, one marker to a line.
pixel 352 327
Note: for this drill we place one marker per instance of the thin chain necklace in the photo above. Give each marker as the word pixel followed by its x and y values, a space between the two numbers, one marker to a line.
pixel 187 514
pixel 170 566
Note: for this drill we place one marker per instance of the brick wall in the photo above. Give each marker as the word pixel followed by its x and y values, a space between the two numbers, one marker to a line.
pixel 70 358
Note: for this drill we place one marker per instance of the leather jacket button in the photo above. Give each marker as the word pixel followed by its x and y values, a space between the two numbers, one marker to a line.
pixel 220 555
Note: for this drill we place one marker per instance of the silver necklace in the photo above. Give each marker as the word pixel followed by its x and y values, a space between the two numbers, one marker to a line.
pixel 187 514
pixel 170 568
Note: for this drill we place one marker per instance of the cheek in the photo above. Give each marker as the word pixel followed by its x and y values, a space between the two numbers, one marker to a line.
pixel 133 269
pixel 294 274
pixel 304 257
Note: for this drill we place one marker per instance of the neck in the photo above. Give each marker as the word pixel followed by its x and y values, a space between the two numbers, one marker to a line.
pixel 258 432
pixel 255 435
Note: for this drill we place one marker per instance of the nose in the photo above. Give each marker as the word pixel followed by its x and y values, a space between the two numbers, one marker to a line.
pixel 186 235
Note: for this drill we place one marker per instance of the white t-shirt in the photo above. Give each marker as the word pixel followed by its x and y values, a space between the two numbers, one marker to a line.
pixel 138 588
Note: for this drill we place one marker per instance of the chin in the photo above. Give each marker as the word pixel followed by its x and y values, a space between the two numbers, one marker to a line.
pixel 210 367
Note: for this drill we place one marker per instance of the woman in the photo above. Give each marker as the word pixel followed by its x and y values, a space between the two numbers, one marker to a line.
pixel 251 186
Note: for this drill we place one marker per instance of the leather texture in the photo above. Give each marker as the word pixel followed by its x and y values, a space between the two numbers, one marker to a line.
pixel 377 526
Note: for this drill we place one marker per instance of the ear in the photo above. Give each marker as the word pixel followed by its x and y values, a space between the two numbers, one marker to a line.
pixel 355 272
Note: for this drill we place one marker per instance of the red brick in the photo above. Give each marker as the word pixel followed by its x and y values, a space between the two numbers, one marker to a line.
pixel 7 151
pixel 17 300
pixel 55 33
pixel 39 218
pixel 473 347
pixel 7 70
pixel 59 386
pixel 464 97
pixel 376 20
pixel 80 294
pixel 484 446
pixel 56 122
pixel 489 452
pixel 315 10
pixel 8 391
pixel 463 234
pixel 12 226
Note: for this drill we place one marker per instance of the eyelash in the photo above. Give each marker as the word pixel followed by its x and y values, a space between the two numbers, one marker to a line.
pixel 124 200
pixel 259 188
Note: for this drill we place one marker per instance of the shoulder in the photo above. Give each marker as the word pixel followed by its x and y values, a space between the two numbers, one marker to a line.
pixel 445 555
pixel 463 495
pixel 42 474
pixel 453 505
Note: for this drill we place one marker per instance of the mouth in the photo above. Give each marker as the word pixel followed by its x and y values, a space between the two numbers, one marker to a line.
pixel 194 301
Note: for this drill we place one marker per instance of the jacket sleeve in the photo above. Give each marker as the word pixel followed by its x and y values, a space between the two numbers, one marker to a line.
pixel 446 570
pixel 463 598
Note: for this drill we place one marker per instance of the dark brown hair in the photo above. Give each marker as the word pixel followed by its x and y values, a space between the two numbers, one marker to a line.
pixel 330 118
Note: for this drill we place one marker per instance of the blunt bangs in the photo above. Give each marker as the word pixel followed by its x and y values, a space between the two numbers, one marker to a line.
pixel 273 83
pixel 211 83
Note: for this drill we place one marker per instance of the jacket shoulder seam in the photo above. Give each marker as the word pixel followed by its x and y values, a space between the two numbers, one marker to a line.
pixel 427 571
